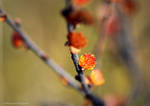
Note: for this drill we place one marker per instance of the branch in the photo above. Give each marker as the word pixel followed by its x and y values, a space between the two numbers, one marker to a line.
pixel 59 70
pixel 34 48
pixel 88 94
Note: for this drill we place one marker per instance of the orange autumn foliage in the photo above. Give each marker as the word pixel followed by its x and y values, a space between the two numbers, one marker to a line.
pixel 17 40
pixel 97 78
pixel 3 17
pixel 75 17
pixel 81 2
pixel 87 61
pixel 77 40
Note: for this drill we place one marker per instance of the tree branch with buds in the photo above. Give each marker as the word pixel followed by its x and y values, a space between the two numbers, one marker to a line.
pixel 76 41
pixel 28 43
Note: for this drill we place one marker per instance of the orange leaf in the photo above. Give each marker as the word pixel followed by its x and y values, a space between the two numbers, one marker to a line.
pixel 17 41
pixel 3 17
pixel 96 77
pixel 87 61
pixel 75 17
pixel 77 40
pixel 80 2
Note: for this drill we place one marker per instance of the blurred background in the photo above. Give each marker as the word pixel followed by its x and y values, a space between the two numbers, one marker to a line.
pixel 25 79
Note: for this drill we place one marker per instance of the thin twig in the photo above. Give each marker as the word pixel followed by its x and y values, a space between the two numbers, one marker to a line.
pixel 34 48
pixel 88 94
pixel 59 70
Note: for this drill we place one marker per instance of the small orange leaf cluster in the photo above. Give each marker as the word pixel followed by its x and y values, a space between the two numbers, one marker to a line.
pixel 81 16
pixel 17 40
pixel 87 61
pixel 80 2
pixel 3 17
pixel 77 40
pixel 75 16
pixel 96 78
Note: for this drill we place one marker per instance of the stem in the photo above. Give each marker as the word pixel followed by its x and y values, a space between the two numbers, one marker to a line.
pixel 80 73
pixel 88 94
pixel 34 48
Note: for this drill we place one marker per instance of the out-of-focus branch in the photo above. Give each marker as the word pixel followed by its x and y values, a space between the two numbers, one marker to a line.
pixel 125 46
pixel 123 40
pixel 34 48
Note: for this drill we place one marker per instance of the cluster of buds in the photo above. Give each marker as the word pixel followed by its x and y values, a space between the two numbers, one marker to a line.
pixel 17 40
pixel 80 2
pixel 88 62
pixel 95 78
pixel 77 41
pixel 76 16
pixel 3 17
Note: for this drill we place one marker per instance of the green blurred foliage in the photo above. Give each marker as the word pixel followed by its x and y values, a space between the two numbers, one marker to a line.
pixel 25 78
